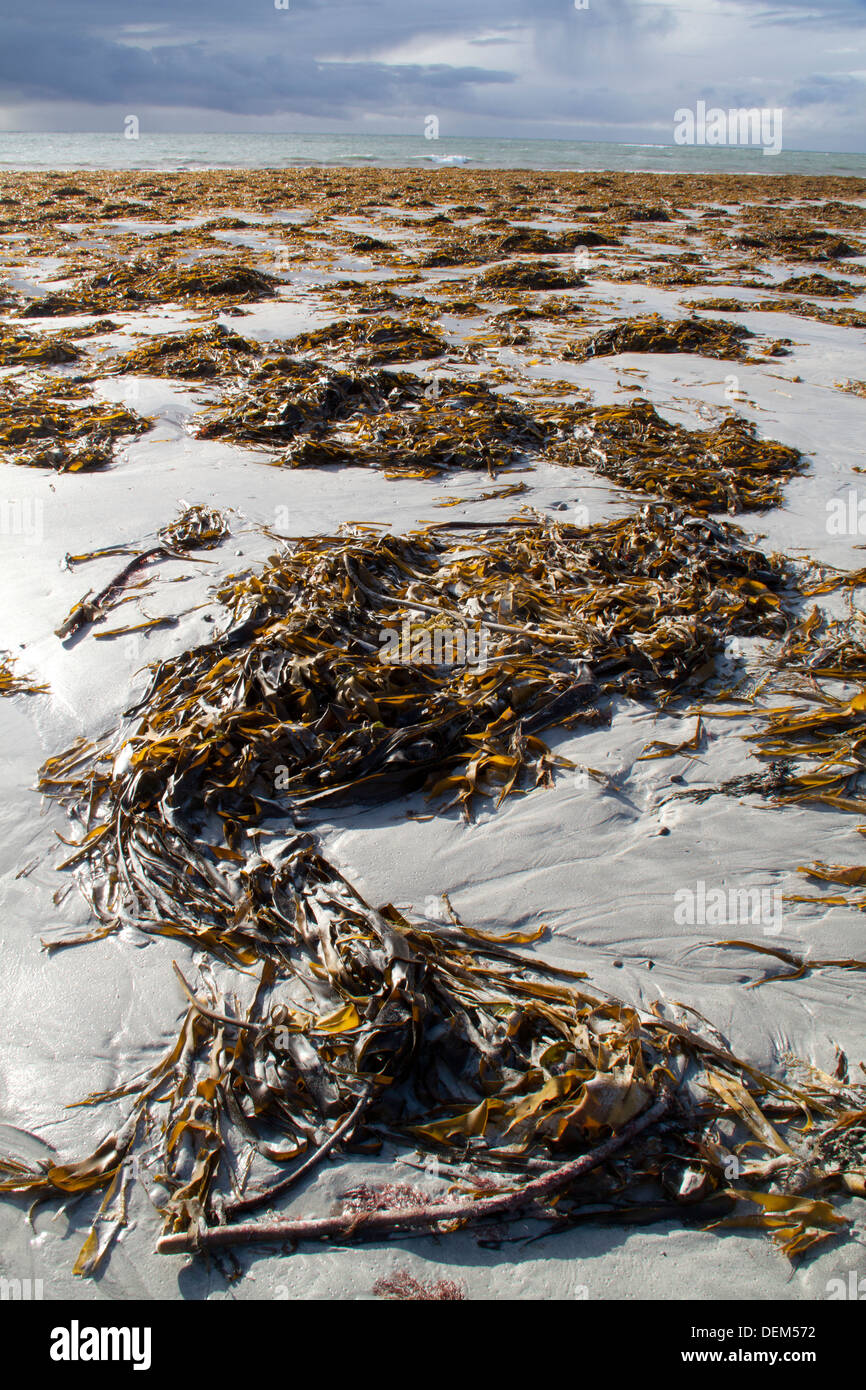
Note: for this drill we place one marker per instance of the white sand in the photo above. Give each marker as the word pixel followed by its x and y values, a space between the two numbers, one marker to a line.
pixel 587 861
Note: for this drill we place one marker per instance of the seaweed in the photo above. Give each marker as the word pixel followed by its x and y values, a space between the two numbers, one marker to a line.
pixel 363 1025
pixel 11 683
pixel 708 337
pixel 131 285
pixel 728 468
pixel 18 348
pixel 375 340
pixel 41 432
pixel 820 285
pixel 199 354
pixel 529 275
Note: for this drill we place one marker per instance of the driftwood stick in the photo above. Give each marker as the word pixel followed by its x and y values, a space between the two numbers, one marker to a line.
pixel 345 1225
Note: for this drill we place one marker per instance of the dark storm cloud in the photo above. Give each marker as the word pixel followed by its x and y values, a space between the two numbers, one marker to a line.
pixel 616 69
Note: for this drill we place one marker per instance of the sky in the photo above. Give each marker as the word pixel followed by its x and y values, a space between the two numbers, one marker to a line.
pixel 614 70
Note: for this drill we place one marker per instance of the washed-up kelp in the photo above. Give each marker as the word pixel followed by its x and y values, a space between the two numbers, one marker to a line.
pixel 374 340
pixel 310 695
pixel 534 241
pixel 133 285
pixel 708 337
pixel 42 432
pixel 384 419
pixel 286 397
pixel 802 308
pixel 728 468
pixel 856 388
pixel 528 275
pixel 369 1025
pixel 372 1026
pixel 11 683
pixel 197 528
pixel 820 285
pixel 480 432
pixel 198 355
pixel 797 244
pixel 17 348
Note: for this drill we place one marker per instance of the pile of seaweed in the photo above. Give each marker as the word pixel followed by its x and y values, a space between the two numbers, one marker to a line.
pixel 727 468
pixel 131 285
pixel 820 285
pixel 343 1024
pixel 18 349
pixel 42 431
pixel 391 420
pixel 199 354
pixel 709 337
pixel 288 396
pixel 796 243
pixel 375 340
pixel 528 275
pixel 471 430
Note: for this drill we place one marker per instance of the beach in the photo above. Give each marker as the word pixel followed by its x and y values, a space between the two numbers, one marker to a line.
pixel 675 303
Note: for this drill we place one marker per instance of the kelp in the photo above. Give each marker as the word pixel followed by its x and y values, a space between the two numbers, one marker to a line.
pixel 797 243
pixel 286 397
pixel 819 285
pixel 143 282
pixel 199 354
pixel 197 528
pixel 396 421
pixel 11 683
pixel 377 1026
pixel 308 694
pixel 374 340
pixel 23 348
pixel 708 337
pixel 528 275
pixel 728 468
pixel 41 432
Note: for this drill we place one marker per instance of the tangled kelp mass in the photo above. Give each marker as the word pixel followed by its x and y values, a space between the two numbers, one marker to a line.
pixel 368 1023
pixel 25 349
pixel 44 433
pixel 141 283
pixel 198 354
pixel 728 468
pixel 362 665
pixel 710 337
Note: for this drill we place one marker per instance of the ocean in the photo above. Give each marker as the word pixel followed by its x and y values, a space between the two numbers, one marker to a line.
pixel 113 150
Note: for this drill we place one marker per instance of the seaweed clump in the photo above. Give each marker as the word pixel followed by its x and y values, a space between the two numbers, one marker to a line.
pixel 139 283
pixel 23 348
pixel 375 340
pixel 42 432
pixel 199 355
pixel 11 683
pixel 529 275
pixel 708 337
pixel 727 468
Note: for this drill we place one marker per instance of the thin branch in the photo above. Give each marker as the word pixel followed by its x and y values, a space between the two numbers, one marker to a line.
pixel 346 1225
